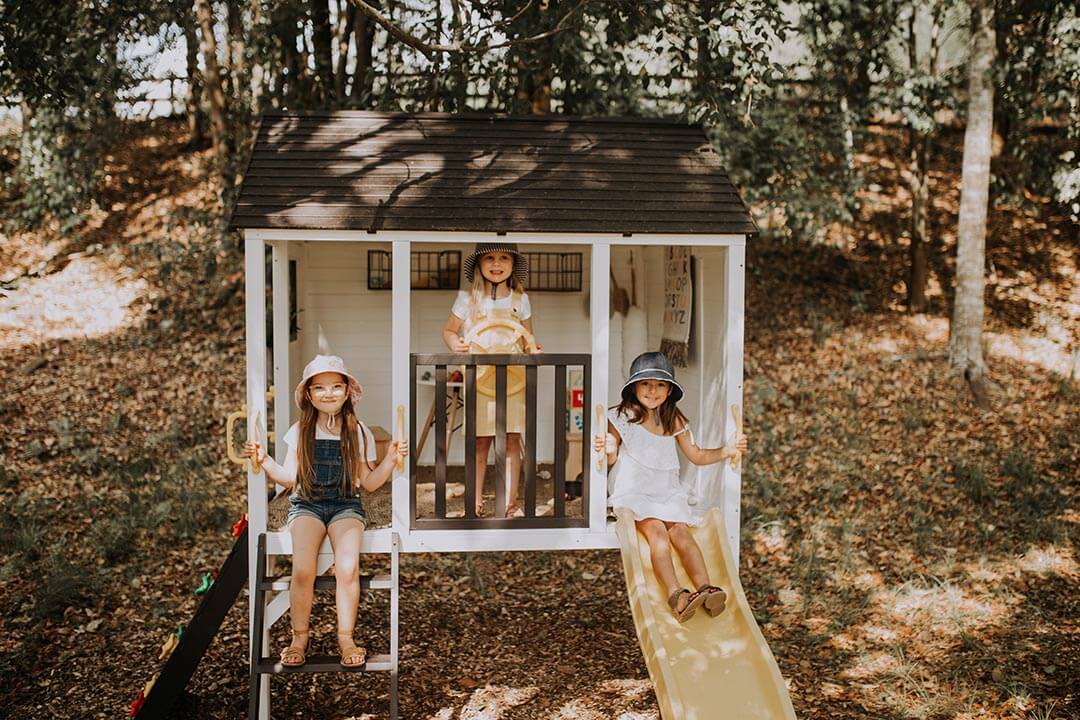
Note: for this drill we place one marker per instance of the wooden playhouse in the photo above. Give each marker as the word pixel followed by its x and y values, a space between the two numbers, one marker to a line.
pixel 363 218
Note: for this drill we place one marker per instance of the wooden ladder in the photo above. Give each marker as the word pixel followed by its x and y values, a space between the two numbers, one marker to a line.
pixel 262 664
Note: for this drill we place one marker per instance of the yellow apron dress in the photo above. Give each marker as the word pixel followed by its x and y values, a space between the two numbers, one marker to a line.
pixel 498 340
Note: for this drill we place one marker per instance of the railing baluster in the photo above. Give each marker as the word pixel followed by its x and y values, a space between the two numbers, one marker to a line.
pixel 559 487
pixel 470 440
pixel 440 441
pixel 530 439
pixel 500 441
pixel 586 435
pixel 414 461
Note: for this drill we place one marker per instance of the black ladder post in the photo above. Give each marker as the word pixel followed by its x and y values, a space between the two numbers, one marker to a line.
pixel 257 629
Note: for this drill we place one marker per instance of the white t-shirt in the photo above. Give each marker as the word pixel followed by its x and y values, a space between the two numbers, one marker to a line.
pixel 486 305
pixel 363 434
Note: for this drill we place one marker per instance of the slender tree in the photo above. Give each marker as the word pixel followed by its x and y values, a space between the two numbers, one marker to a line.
pixel 965 341
pixel 215 93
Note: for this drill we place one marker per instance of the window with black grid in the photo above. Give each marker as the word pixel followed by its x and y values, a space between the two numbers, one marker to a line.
pixel 429 270
pixel 554 271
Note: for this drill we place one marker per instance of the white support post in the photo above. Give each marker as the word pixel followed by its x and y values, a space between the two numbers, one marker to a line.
pixel 400 335
pixel 598 317
pixel 282 301
pixel 734 308
pixel 255 321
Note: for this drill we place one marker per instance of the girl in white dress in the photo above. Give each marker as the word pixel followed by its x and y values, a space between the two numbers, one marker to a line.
pixel 642 435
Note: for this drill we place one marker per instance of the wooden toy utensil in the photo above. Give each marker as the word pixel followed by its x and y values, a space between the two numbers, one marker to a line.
pixel 400 434
pixel 256 435
pixel 601 427
pixel 736 412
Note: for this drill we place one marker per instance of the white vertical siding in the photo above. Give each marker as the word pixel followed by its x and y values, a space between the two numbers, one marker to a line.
pixel 341 316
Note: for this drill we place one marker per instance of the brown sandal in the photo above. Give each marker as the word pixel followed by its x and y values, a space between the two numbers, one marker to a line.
pixel 480 512
pixel 296 654
pixel 513 511
pixel 714 599
pixel 693 602
pixel 354 657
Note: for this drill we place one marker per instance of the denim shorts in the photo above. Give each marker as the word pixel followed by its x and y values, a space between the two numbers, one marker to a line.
pixel 327 511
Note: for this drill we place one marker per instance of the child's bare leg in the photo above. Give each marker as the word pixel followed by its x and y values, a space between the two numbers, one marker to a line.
pixel 307 535
pixel 345 537
pixel 659 549
pixel 513 467
pixel 689 552
pixel 483 444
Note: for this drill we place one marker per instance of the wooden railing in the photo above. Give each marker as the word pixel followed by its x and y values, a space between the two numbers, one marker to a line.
pixel 557 516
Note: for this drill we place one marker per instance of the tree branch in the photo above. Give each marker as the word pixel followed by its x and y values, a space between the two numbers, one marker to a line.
pixel 431 50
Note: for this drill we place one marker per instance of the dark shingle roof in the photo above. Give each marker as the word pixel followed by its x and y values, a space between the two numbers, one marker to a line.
pixel 399 171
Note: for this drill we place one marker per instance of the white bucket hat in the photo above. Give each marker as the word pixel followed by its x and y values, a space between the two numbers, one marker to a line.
pixel 328 363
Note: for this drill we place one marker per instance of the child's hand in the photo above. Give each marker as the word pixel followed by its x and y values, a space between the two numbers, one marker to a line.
pixel 460 346
pixel 604 443
pixel 539 349
pixel 740 446
pixel 398 450
pixel 255 450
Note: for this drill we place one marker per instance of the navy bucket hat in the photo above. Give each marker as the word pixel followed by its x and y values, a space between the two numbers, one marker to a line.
pixel 651 366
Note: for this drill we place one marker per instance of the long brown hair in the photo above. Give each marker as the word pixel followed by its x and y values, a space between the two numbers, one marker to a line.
pixel 668 412
pixel 351 456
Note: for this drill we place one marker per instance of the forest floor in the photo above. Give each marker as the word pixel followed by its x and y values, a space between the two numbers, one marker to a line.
pixel 906 555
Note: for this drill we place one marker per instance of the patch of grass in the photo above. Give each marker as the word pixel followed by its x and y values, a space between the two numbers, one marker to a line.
pixel 115 536
pixel 65 583
pixel 1035 501
pixel 922 527
pixel 913 418
pixel 972 480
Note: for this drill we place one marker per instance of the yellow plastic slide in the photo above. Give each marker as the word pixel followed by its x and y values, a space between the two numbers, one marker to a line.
pixel 707 668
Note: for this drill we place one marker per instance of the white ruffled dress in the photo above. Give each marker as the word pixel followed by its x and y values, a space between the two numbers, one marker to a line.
pixel 645 476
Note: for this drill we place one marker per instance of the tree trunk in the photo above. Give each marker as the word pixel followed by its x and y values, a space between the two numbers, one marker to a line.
pixel 533 95
pixel 322 36
pixel 343 41
pixel 196 119
pixel 965 337
pixel 363 77
pixel 238 73
pixel 219 131
pixel 920 200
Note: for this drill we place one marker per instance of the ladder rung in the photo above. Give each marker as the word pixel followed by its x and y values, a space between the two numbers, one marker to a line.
pixel 323 663
pixel 327 582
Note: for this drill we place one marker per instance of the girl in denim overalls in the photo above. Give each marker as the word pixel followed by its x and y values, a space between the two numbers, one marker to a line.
pixel 496 293
pixel 331 454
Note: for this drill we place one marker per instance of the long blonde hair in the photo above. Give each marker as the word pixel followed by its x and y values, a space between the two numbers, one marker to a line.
pixel 480 287
pixel 351 455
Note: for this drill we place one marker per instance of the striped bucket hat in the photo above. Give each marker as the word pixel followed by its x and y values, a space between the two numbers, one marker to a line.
pixel 521 263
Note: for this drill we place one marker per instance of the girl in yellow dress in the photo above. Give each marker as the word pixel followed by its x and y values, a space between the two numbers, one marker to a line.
pixel 496 293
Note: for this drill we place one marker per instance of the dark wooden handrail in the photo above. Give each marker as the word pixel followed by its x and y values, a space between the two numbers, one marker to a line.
pixel 560 362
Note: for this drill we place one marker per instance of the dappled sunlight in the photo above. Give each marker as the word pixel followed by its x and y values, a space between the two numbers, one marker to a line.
pixel 871 665
pixel 598 702
pixel 942 610
pixel 1049 560
pixel 493 702
pixel 84 300
pixel 1026 348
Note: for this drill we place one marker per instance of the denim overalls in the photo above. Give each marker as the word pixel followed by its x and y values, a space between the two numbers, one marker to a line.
pixel 328 503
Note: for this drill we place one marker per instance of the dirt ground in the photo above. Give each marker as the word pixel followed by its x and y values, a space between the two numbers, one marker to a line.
pixel 906 555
